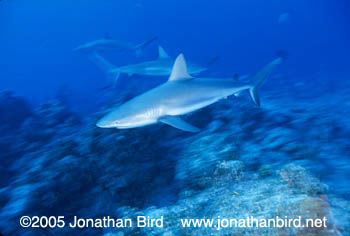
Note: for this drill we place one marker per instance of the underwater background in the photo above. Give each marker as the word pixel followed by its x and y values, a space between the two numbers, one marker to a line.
pixel 289 157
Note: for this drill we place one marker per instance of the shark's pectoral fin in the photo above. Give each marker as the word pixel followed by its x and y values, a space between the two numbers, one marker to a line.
pixel 113 78
pixel 238 94
pixel 178 123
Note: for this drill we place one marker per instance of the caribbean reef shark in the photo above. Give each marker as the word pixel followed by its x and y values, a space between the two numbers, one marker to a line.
pixel 180 95
pixel 107 44
pixel 160 67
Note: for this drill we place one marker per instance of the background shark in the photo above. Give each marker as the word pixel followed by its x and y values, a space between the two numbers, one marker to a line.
pixel 107 44
pixel 181 94
pixel 160 67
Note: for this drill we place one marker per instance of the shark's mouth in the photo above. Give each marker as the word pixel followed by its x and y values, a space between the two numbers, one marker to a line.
pixel 134 125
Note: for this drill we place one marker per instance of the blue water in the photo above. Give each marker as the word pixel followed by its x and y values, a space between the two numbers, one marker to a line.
pixel 305 105
pixel 37 38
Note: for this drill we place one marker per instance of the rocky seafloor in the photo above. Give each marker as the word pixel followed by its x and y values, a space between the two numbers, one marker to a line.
pixel 288 158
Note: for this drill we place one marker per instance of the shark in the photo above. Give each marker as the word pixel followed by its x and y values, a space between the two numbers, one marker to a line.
pixel 161 66
pixel 181 94
pixel 106 44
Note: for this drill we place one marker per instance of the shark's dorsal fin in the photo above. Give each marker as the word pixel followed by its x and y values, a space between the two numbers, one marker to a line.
pixel 179 71
pixel 161 53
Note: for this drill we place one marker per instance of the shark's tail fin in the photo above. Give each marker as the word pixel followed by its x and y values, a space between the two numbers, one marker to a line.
pixel 259 78
pixel 139 48
pixel 109 69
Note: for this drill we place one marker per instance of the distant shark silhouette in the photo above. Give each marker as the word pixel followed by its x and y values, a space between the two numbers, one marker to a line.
pixel 160 67
pixel 107 44
pixel 180 95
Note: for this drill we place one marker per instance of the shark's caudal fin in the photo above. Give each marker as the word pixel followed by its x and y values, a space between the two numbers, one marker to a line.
pixel 179 71
pixel 259 78
pixel 109 69
pixel 161 53
pixel 139 48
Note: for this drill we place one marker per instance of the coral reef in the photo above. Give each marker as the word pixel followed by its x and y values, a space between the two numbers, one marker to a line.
pixel 246 161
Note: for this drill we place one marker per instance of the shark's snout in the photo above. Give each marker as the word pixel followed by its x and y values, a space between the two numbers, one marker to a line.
pixel 105 124
pixel 100 124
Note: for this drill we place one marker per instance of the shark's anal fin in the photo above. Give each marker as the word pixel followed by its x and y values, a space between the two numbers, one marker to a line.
pixel 178 123
pixel 114 77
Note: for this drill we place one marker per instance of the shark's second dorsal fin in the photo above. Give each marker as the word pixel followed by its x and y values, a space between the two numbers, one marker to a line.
pixel 179 71
pixel 161 53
